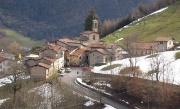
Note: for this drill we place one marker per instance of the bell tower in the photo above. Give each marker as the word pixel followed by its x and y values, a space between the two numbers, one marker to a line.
pixel 95 25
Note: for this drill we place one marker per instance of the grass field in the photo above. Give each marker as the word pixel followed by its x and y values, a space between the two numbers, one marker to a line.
pixel 13 35
pixel 111 67
pixel 177 56
pixel 165 23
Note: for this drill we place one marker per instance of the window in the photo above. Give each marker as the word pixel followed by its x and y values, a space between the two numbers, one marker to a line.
pixel 169 42
pixel 94 38
pixel 95 25
pixel 67 60
pixel 161 42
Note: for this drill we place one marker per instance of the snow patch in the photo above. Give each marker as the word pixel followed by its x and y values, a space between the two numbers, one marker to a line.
pixel 102 83
pixel 7 80
pixel 3 100
pixel 171 73
pixel 108 107
pixel 89 103
pixel 80 81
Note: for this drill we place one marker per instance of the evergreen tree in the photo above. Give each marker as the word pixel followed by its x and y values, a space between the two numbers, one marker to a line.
pixel 88 21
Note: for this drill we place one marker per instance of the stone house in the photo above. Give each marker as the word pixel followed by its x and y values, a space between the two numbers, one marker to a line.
pixel 41 71
pixel 116 50
pixel 7 55
pixel 78 56
pixel 29 63
pixel 99 56
pixel 51 59
pixel 54 51
pixel 165 43
pixel 144 48
pixel 3 64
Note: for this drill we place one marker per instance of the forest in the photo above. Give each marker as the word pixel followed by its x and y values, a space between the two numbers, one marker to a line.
pixel 45 19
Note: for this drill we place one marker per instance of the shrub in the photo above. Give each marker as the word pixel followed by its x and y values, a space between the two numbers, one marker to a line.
pixel 130 71
pixel 177 56
pixel 110 67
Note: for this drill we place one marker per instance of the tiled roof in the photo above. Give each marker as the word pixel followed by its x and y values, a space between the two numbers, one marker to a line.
pixel 164 39
pixel 101 46
pixel 103 51
pixel 32 62
pixel 6 55
pixel 88 32
pixel 44 65
pixel 83 38
pixel 75 44
pixel 65 40
pixel 2 59
pixel 145 45
pixel 78 52
pixel 77 38
pixel 49 59
pixel 56 47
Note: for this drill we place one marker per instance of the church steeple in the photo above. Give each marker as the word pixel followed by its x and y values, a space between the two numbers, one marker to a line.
pixel 95 25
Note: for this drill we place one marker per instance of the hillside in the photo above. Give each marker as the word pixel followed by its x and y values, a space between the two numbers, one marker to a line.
pixel 8 36
pixel 164 23
pixel 45 19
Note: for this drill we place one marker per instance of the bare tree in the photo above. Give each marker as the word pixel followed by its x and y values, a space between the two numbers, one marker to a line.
pixel 17 73
pixel 130 45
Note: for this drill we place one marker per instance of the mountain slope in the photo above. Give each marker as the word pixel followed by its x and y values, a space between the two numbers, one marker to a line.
pixel 48 19
pixel 8 36
pixel 165 23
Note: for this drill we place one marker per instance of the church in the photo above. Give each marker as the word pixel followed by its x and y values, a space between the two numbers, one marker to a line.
pixel 89 37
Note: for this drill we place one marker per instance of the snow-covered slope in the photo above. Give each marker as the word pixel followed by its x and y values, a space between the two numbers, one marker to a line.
pixel 171 67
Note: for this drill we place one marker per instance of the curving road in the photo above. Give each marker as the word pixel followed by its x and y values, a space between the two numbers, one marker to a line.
pixel 69 79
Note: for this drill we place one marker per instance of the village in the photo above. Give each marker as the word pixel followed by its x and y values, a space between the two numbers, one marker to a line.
pixel 66 55
pixel 86 50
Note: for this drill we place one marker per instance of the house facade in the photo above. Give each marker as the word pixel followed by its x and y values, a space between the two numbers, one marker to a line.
pixel 7 55
pixel 99 56
pixel 54 51
pixel 144 48
pixel 78 57
pixel 50 60
pixel 165 43
pixel 115 50
pixel 3 64
pixel 41 71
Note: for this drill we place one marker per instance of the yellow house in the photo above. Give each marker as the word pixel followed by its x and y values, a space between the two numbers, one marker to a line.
pixel 78 56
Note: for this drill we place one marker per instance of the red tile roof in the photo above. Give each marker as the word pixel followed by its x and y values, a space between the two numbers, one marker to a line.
pixel 2 59
pixel 164 39
pixel 77 38
pixel 56 47
pixel 65 40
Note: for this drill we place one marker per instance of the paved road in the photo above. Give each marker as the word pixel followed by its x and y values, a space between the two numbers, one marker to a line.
pixel 69 79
